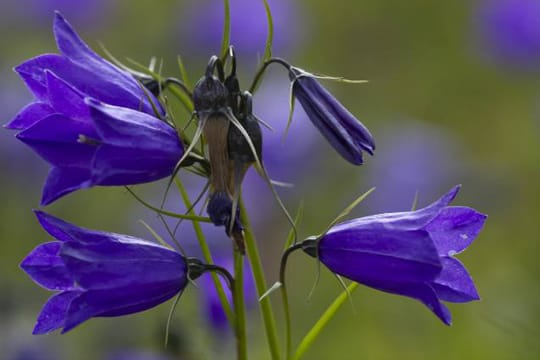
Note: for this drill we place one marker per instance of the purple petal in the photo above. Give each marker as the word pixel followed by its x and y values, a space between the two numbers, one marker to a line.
pixel 46 268
pixel 117 302
pixel 55 139
pixel 29 115
pixel 380 255
pixel 53 313
pixel 421 292
pixel 455 228
pixel 65 99
pixel 64 231
pixel 130 128
pixel 32 72
pixel 54 226
pixel 403 221
pixel 125 166
pixel 454 284
pixel 111 264
pixel 70 44
pixel 326 121
pixel 97 77
pixel 62 181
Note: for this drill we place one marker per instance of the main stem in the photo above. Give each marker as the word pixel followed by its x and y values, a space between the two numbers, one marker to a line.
pixel 258 275
pixel 239 306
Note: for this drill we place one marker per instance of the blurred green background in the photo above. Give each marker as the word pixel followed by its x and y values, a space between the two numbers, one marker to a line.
pixel 444 108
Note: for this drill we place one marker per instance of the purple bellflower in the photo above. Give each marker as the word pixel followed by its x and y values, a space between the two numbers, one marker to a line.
pixel 85 71
pixel 89 143
pixel 100 274
pixel 406 253
pixel 348 136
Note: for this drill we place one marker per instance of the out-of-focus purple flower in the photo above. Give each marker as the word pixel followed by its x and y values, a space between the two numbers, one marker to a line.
pixel 348 136
pixel 203 26
pixel 407 253
pixel 213 311
pixel 88 13
pixel 509 31
pixel 137 355
pixel 426 148
pixel 99 274
pixel 85 71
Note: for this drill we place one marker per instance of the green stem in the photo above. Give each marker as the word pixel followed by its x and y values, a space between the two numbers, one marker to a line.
pixel 288 342
pixel 207 255
pixel 260 283
pixel 239 306
pixel 225 42
pixel 310 337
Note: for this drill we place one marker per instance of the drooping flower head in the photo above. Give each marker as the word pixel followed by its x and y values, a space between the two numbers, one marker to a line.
pixel 86 121
pixel 348 136
pixel 407 253
pixel 100 274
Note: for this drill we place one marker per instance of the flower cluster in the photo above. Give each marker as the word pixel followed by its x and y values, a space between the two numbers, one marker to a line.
pixel 98 124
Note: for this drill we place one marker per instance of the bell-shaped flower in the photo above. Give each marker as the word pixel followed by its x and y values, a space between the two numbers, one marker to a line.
pixel 406 253
pixel 347 135
pixel 100 274
pixel 85 71
pixel 89 143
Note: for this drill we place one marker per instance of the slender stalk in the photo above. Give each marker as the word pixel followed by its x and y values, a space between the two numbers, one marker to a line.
pixel 239 306
pixel 285 298
pixel 262 69
pixel 260 282
pixel 207 255
pixel 310 337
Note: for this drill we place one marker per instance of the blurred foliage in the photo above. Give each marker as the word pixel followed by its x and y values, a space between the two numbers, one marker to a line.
pixel 423 62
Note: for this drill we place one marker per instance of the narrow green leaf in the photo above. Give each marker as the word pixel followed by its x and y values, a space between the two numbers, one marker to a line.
pixel 154 233
pixel 183 72
pixel 226 41
pixel 349 208
pixel 270 36
pixel 310 337
pixel 297 220
pixel 415 201
pixel 168 213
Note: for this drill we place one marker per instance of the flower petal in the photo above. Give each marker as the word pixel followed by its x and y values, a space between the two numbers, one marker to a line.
pixel 130 128
pixel 97 77
pixel 325 120
pixel 62 181
pixel 402 221
pixel 421 292
pixel 65 99
pixel 111 264
pixel 32 71
pixel 117 302
pixel 52 315
pixel 46 268
pixel 29 115
pixel 454 284
pixel 455 228
pixel 381 256
pixel 55 139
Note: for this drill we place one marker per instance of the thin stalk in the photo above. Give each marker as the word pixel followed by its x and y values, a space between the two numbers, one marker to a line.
pixel 310 337
pixel 260 282
pixel 285 298
pixel 262 69
pixel 239 306
pixel 207 255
